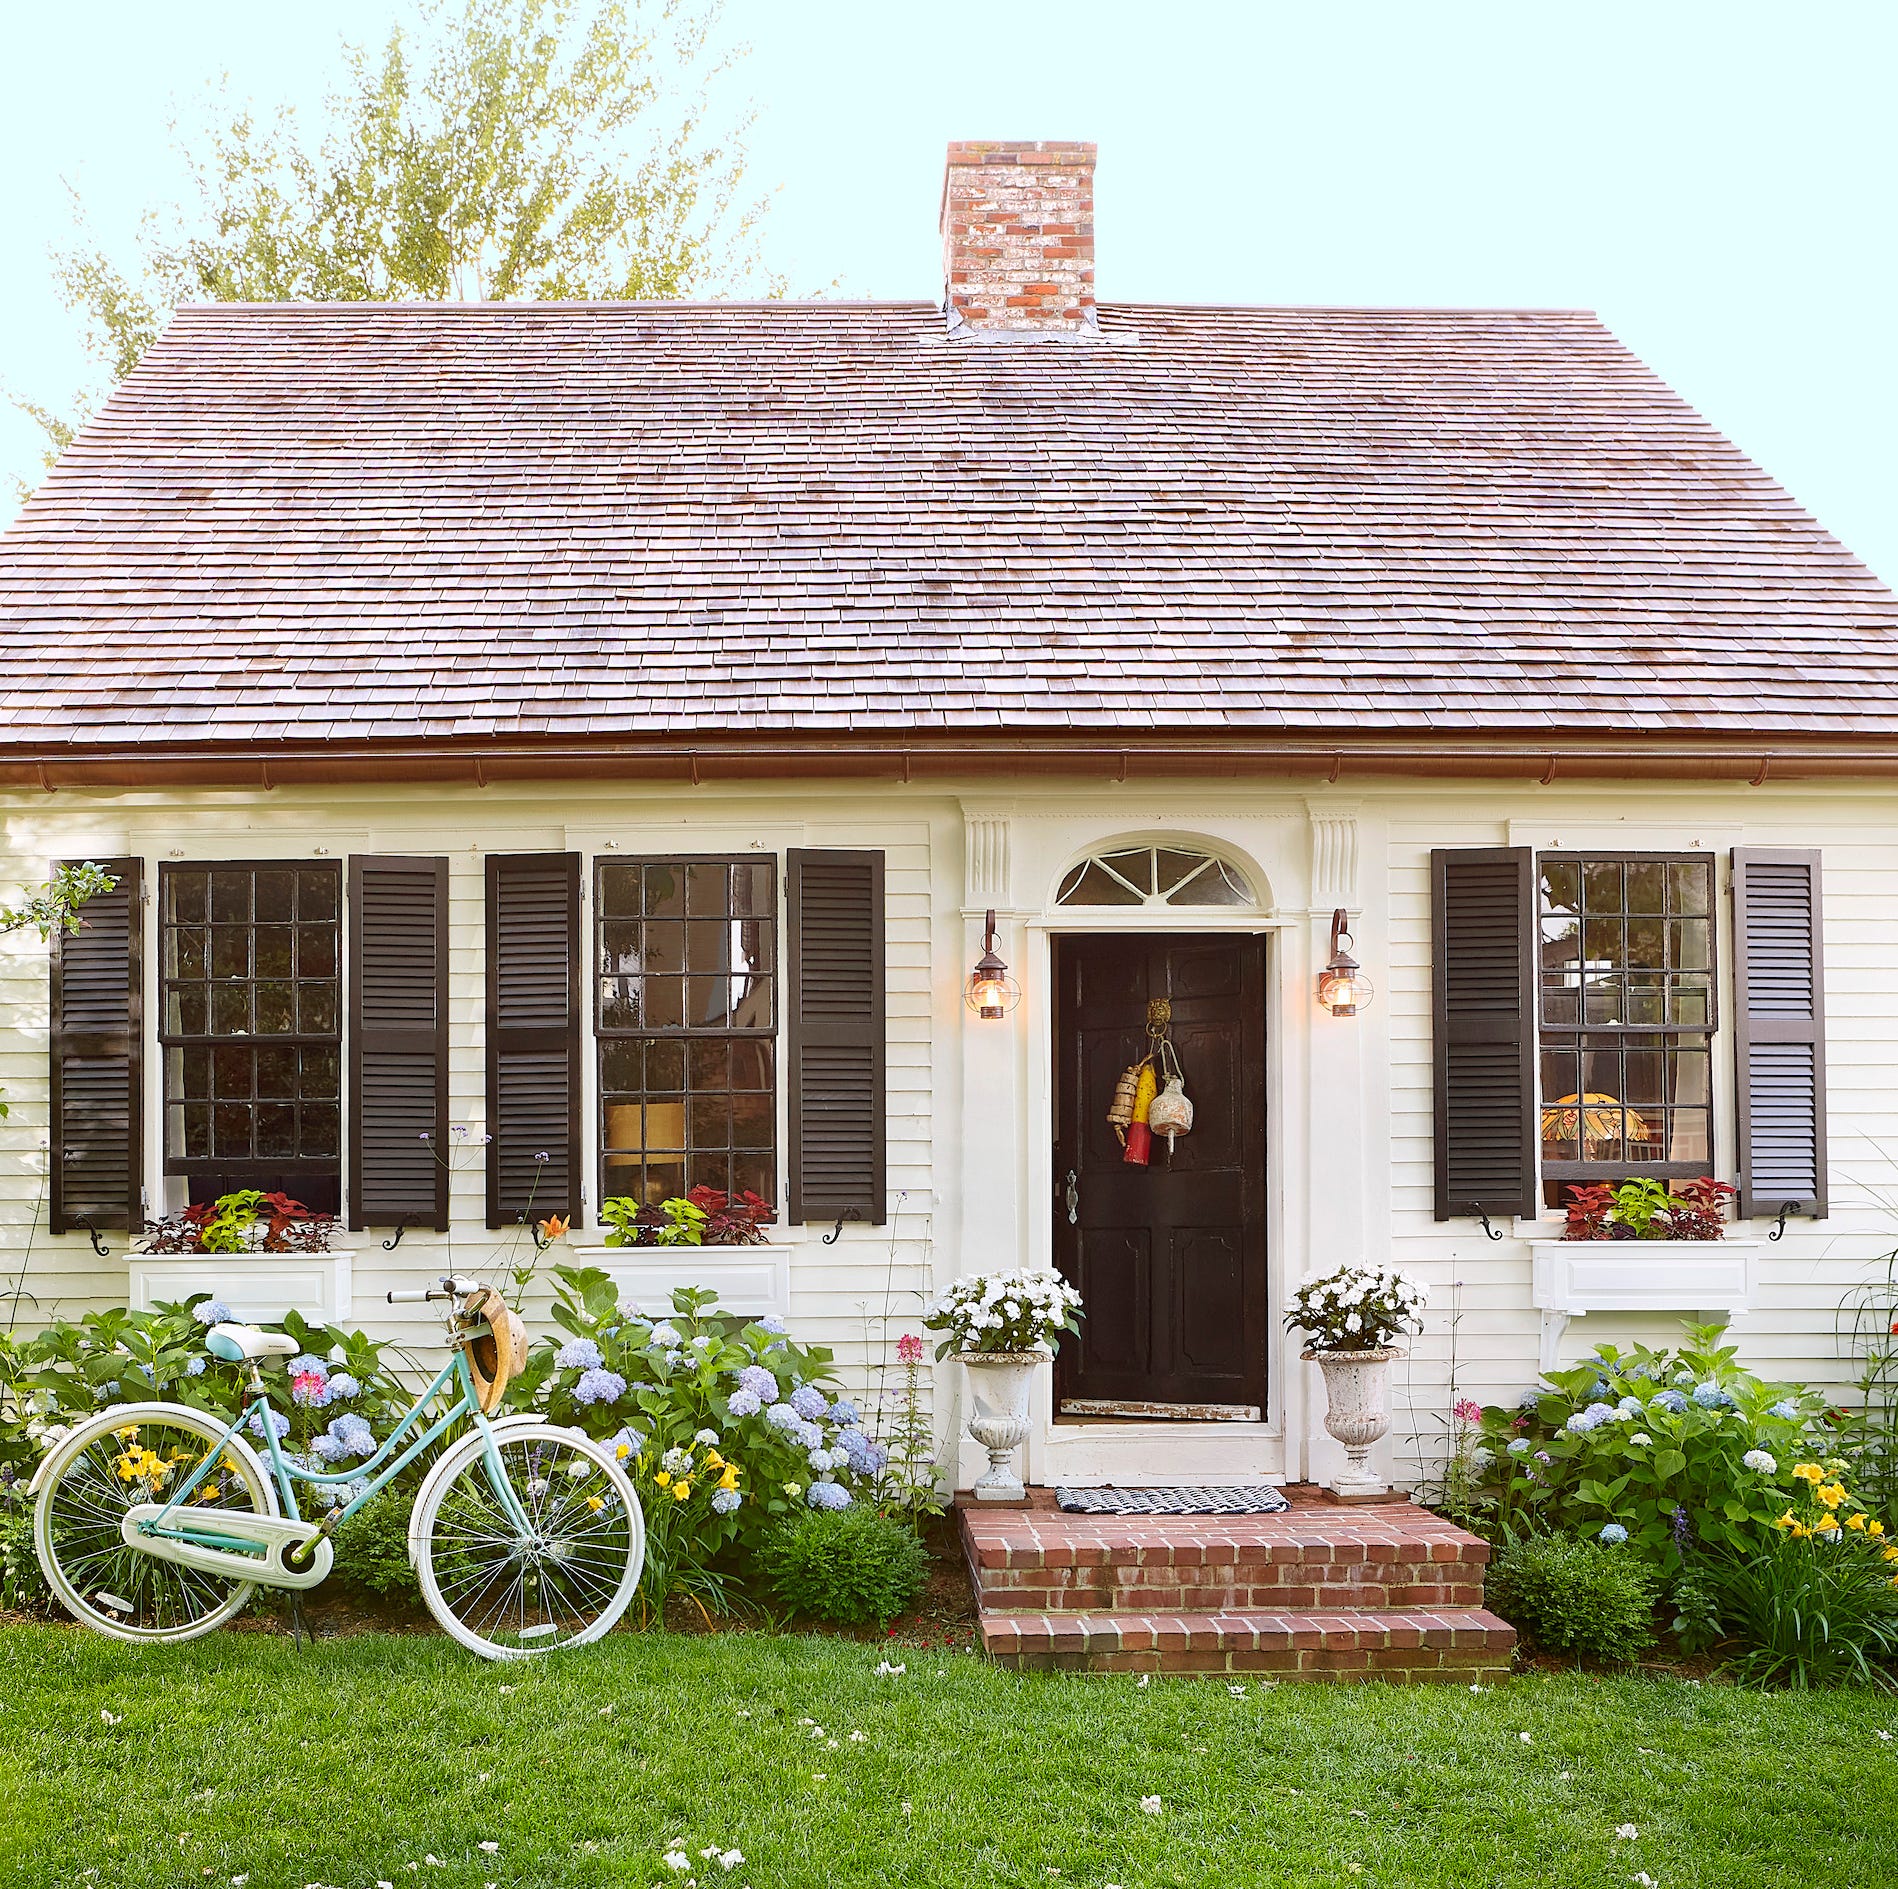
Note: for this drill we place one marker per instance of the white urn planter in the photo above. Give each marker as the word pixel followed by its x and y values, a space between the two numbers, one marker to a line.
pixel 1001 1390
pixel 1357 1412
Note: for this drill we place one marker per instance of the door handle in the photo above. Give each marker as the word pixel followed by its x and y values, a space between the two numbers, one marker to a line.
pixel 1072 1197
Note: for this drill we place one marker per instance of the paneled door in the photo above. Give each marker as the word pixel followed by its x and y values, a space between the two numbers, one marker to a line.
pixel 1169 1258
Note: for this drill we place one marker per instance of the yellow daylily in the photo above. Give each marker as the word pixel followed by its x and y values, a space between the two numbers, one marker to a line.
pixel 729 1480
pixel 663 1479
pixel 128 1433
pixel 595 1503
pixel 1891 1553
pixel 681 1489
pixel 1809 1472
pixel 1855 1520
pixel 1830 1493
pixel 1874 1528
pixel 1787 1520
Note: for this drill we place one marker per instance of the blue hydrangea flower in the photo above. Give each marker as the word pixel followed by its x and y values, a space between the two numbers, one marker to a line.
pixel 771 1322
pixel 1786 1408
pixel 1710 1396
pixel 311 1396
pixel 1674 1401
pixel 666 1335
pixel 821 1460
pixel 327 1448
pixel 578 1354
pixel 827 1495
pixel 725 1500
pixel 809 1435
pixel 676 1461
pixel 1761 1460
pixel 626 1442
pixel 195 1368
pixel 309 1361
pixel 344 1386
pixel 599 1387
pixel 353 1435
pixel 759 1382
pixel 1519 1446
pixel 278 1422
pixel 863 1456
pixel 1590 1419
pixel 844 1411
pixel 214 1312
pixel 707 1437
pixel 1613 1534
pixel 1528 1400
pixel 743 1403
pixel 784 1417
pixel 809 1402
pixel 700 1342
pixel 1629 1406
pixel 672 1359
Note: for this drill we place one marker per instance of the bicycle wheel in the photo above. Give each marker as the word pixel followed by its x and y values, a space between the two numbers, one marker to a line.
pixel 507 1590
pixel 111 1462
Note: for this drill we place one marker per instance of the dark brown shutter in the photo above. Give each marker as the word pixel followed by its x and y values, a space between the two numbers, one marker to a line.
pixel 1779 1049
pixel 398 1042
pixel 97 1016
pixel 1484 969
pixel 533 1036
pixel 834 1034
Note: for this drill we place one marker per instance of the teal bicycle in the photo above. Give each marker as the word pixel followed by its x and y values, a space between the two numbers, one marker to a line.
pixel 157 1522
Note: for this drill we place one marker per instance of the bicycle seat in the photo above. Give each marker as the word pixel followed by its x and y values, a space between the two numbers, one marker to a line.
pixel 236 1343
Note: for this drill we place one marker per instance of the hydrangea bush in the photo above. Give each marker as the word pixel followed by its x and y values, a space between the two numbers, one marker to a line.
pixel 726 1425
pixel 1679 1449
pixel 1357 1308
pixel 1024 1309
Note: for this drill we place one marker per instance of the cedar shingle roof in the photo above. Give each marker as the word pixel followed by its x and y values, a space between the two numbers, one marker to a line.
pixel 353 522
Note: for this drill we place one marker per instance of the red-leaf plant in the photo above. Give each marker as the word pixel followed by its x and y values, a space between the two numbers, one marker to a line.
pixel 1696 1210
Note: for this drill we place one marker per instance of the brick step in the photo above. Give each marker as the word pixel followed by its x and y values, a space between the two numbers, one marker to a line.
pixel 1316 1585
pixel 1441 1645
pixel 1311 1559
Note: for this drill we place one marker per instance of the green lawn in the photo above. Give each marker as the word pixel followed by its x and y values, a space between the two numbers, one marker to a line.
pixel 368 1759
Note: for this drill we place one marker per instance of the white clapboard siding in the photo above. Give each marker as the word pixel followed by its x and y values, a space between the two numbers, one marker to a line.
pixel 859 1293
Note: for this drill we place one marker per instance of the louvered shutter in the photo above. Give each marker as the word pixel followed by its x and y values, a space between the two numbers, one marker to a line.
pixel 1483 933
pixel 97 1017
pixel 1779 1051
pixel 533 1036
pixel 834 1033
pixel 398 1042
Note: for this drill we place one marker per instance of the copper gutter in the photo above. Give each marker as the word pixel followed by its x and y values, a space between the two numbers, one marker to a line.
pixel 1117 755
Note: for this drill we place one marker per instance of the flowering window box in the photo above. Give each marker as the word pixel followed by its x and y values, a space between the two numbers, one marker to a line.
pixel 258 1287
pixel 1574 1277
pixel 753 1281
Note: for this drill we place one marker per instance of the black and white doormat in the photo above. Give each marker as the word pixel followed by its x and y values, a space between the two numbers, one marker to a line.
pixel 1260 1499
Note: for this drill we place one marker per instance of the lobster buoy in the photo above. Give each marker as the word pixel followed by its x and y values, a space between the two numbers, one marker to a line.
pixel 1120 1112
pixel 1171 1112
pixel 1139 1135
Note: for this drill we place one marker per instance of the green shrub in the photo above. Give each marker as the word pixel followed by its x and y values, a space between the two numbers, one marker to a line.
pixel 1574 1596
pixel 22 1586
pixel 372 1547
pixel 1684 1450
pixel 851 1566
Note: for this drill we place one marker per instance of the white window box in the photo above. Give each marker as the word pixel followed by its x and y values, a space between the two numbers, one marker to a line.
pixel 258 1287
pixel 753 1281
pixel 1574 1277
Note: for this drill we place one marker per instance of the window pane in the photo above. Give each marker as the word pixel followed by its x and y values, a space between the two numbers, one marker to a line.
pixel 316 1009
pixel 316 950
pixel 711 1063
pixel 665 892
pixel 187 896
pixel 751 1121
pixel 707 889
pixel 663 946
pixel 276 1008
pixel 619 891
pixel 230 1009
pixel 665 1064
pixel 1089 884
pixel 1690 885
pixel 276 897
pixel 316 894
pixel 230 952
pixel 1647 885
pixel 711 1121
pixel 752 895
pixel 1601 884
pixel 230 898
pixel 662 1002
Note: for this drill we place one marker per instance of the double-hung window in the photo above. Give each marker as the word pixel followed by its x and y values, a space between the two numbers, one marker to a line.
pixel 686 960
pixel 251 1027
pixel 1627 1007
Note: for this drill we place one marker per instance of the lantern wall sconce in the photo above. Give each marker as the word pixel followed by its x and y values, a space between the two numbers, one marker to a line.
pixel 1343 988
pixel 992 993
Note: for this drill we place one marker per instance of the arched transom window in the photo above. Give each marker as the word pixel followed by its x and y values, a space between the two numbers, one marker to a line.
pixel 1153 875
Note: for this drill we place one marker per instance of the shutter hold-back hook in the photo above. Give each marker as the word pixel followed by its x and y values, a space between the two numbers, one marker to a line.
pixel 836 1233
pixel 98 1245
pixel 1489 1232
pixel 1787 1208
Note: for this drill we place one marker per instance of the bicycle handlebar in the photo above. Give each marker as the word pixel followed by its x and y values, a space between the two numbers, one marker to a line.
pixel 444 1289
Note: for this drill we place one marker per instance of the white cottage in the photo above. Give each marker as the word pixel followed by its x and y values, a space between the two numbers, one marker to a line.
pixel 609 728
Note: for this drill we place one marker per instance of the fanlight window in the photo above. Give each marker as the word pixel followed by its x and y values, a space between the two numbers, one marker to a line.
pixel 1153 875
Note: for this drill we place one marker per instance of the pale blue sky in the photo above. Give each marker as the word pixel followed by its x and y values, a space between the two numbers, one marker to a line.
pixel 1717 180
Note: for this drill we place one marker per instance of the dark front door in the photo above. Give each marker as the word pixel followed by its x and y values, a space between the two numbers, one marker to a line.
pixel 1169 1258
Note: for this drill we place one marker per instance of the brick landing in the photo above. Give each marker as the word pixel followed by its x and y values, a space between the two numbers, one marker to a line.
pixel 1324 1591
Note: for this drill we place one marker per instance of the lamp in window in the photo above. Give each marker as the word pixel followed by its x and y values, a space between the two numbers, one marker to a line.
pixel 1343 988
pixel 992 993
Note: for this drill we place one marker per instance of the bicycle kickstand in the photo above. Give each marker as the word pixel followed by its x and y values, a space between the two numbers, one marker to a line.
pixel 300 1628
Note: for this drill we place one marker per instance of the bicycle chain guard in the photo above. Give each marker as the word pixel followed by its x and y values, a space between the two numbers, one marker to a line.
pixel 275 1534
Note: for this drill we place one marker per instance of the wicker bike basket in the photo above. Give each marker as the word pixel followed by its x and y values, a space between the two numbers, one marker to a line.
pixel 496 1343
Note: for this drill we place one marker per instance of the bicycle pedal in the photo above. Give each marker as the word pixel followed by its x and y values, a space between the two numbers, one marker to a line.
pixel 268 1540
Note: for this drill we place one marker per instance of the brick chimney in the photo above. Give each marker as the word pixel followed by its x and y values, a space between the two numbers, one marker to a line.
pixel 1018 237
